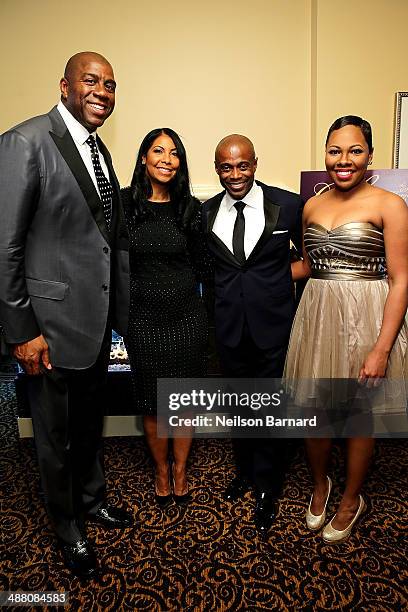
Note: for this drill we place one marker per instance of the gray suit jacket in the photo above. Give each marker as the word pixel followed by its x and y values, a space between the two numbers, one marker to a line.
pixel 61 271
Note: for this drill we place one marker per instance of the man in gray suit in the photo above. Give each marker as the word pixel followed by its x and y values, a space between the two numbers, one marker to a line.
pixel 63 286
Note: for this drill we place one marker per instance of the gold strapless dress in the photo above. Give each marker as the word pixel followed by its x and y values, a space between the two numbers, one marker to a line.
pixel 340 315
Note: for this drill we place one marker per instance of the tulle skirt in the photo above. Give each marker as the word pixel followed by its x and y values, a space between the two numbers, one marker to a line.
pixel 335 327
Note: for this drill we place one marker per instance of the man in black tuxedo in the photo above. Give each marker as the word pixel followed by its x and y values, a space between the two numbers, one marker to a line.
pixel 249 227
pixel 64 283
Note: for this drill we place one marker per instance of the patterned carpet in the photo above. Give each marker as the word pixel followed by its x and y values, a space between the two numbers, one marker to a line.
pixel 207 557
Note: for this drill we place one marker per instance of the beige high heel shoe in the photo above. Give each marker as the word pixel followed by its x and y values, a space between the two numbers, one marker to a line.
pixel 331 535
pixel 313 521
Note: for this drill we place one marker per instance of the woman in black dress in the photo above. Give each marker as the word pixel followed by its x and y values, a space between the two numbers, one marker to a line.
pixel 167 333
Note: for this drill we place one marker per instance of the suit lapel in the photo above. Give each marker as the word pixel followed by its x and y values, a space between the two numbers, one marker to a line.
pixel 66 146
pixel 271 212
pixel 213 210
pixel 222 249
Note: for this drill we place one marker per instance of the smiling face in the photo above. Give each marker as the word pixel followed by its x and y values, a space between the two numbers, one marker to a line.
pixel 235 164
pixel 161 160
pixel 347 157
pixel 88 90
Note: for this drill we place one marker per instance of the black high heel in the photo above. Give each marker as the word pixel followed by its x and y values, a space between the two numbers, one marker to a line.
pixel 163 501
pixel 181 500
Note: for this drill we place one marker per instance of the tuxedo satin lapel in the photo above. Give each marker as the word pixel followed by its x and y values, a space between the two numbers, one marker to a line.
pixel 271 212
pixel 222 250
pixel 212 211
pixel 70 153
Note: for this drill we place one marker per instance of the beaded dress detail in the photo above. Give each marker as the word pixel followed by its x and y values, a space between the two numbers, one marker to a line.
pixel 340 314
pixel 167 332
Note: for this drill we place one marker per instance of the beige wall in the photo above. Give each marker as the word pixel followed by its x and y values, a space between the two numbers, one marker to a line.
pixel 361 64
pixel 278 71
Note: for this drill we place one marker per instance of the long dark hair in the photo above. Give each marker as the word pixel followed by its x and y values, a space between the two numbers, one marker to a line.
pixel 364 126
pixel 179 187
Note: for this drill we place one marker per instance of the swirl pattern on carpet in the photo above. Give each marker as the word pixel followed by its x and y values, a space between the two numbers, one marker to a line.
pixel 208 556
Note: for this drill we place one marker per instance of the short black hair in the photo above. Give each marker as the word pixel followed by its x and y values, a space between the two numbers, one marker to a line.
pixel 364 126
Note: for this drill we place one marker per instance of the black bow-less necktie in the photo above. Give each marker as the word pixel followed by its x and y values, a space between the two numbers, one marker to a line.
pixel 104 186
pixel 239 232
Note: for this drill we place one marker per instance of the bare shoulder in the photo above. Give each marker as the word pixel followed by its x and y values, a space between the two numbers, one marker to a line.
pixel 312 204
pixel 390 203
pixel 384 196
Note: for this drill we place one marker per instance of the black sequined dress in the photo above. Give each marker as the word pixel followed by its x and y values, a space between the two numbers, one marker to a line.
pixel 167 334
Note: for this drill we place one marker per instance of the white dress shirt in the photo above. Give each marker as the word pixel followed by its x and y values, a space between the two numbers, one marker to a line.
pixel 79 135
pixel 254 219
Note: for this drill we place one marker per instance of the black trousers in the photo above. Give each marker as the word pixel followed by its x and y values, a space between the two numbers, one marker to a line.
pixel 67 415
pixel 261 461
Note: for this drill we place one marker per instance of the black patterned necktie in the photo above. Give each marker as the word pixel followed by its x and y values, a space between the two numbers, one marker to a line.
pixel 239 232
pixel 104 186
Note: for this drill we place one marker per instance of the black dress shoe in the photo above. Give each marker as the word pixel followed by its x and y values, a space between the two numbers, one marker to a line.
pixel 236 489
pixel 265 512
pixel 110 516
pixel 80 558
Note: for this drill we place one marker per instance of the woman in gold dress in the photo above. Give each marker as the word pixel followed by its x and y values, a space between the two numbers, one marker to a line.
pixel 350 324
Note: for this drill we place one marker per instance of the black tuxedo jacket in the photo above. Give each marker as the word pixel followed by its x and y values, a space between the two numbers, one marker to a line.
pixel 260 290
pixel 61 272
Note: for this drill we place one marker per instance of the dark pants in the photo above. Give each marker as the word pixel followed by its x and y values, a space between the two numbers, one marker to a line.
pixel 67 414
pixel 262 461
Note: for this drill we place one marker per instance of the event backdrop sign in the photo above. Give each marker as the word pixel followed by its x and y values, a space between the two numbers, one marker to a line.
pixel 314 182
